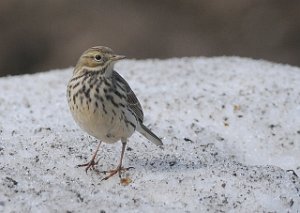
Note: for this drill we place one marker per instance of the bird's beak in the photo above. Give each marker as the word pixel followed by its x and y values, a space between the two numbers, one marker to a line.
pixel 117 57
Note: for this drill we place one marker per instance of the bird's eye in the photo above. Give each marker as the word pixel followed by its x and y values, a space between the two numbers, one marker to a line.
pixel 98 57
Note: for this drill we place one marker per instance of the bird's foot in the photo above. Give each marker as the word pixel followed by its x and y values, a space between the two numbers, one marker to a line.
pixel 89 165
pixel 119 170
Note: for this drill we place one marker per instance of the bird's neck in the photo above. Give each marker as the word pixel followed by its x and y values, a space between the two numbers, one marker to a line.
pixel 103 71
pixel 108 70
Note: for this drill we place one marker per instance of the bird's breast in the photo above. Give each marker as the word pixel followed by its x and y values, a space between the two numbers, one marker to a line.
pixel 97 110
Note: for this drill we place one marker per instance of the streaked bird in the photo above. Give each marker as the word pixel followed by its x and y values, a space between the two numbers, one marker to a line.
pixel 103 104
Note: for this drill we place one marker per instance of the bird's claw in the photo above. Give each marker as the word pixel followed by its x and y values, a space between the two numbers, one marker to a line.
pixel 119 170
pixel 89 165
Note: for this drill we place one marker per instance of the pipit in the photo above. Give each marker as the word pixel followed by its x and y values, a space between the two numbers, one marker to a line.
pixel 103 104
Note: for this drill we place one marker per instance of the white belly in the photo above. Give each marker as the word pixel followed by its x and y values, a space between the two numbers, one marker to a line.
pixel 106 126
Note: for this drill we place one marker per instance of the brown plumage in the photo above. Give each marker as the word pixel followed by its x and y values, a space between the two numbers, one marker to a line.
pixel 103 104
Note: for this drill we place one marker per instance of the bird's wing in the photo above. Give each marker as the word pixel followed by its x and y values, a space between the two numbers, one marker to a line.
pixel 132 100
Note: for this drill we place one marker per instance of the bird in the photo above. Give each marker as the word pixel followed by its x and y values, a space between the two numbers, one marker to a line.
pixel 103 104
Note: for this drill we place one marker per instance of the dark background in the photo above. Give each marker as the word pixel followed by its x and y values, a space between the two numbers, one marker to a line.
pixel 42 35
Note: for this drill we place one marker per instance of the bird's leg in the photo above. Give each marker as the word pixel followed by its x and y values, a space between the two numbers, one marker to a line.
pixel 119 168
pixel 92 162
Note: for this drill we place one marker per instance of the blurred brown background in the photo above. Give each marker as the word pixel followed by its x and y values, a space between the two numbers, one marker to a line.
pixel 42 35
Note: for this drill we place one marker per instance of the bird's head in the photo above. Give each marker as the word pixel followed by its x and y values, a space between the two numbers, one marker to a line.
pixel 97 58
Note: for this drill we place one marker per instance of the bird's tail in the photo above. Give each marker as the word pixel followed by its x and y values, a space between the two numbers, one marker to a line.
pixel 149 135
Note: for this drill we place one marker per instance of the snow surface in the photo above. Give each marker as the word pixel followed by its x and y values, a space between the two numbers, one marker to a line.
pixel 231 129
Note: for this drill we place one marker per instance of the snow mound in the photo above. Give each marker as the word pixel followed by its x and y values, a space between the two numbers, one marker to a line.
pixel 231 129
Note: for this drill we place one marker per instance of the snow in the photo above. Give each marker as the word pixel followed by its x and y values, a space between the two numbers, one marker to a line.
pixel 230 127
